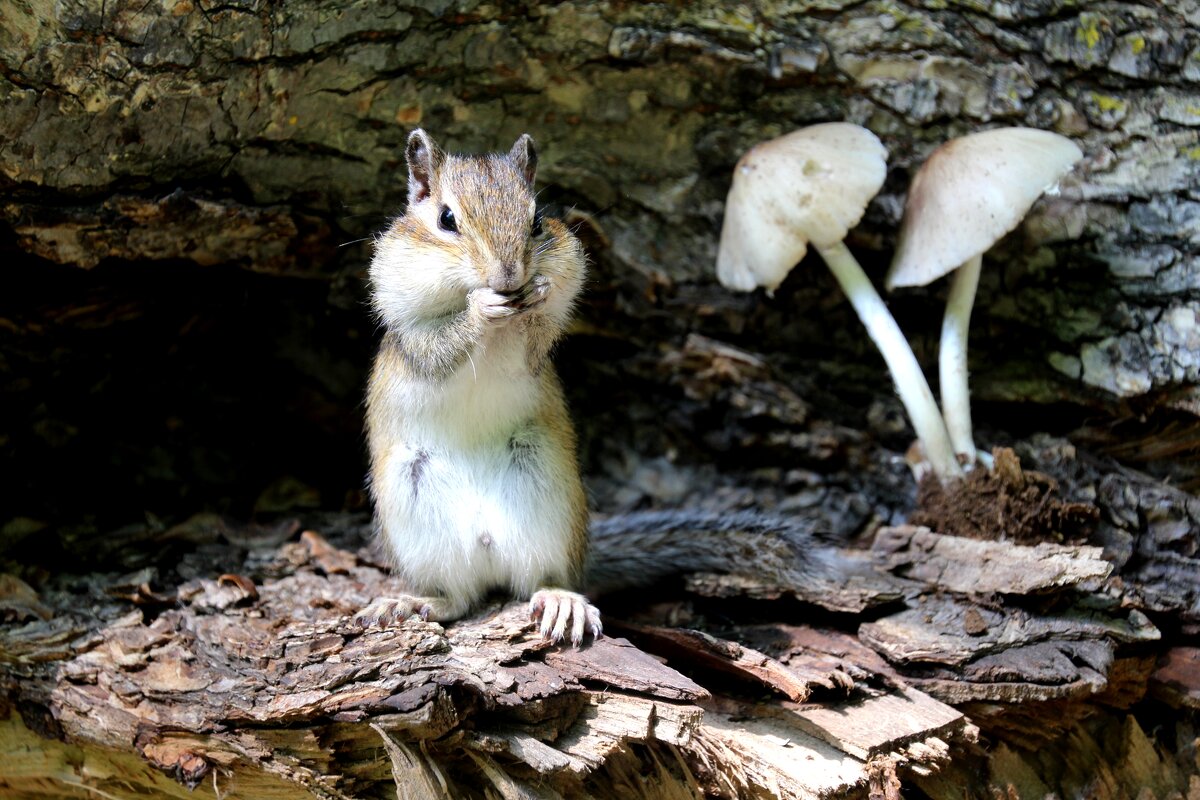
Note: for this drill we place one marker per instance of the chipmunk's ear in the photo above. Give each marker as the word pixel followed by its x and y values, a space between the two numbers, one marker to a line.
pixel 424 159
pixel 524 158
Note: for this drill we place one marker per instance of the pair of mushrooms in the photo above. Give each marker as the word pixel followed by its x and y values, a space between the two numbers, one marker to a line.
pixel 813 186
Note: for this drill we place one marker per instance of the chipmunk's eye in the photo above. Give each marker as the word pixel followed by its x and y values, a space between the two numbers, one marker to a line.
pixel 536 229
pixel 446 220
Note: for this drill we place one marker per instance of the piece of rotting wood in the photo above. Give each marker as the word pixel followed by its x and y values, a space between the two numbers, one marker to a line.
pixel 980 567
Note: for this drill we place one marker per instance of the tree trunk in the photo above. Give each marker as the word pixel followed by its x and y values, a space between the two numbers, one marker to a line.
pixel 190 192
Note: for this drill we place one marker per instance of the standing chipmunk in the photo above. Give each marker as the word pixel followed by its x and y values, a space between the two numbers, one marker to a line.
pixel 473 463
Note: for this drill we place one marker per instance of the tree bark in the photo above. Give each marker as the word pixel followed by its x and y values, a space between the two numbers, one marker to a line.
pixel 280 114
pixel 190 191
pixel 257 683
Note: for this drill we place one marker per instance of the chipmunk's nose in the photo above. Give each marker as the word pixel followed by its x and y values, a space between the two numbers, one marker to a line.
pixel 507 277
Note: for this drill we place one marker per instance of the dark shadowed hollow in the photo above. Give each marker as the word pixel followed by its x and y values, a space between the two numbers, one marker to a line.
pixel 153 391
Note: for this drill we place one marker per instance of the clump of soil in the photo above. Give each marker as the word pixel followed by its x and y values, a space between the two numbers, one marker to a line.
pixel 1006 503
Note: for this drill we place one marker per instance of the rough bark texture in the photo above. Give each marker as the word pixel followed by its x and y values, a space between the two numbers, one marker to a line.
pixel 280 113
pixel 256 683
pixel 189 193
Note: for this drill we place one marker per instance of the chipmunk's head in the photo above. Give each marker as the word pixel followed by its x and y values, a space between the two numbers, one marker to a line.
pixel 471 222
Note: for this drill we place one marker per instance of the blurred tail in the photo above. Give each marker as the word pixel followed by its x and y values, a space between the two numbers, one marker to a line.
pixel 641 548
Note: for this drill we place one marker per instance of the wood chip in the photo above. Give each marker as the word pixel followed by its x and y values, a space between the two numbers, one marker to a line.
pixel 609 721
pixel 977 566
pixel 617 663
pixel 936 630
pixel 882 723
pixel 329 558
pixel 775 756
pixel 1177 679
pixel 708 652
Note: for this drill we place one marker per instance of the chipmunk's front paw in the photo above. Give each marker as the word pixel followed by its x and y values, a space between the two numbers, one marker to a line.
pixel 534 293
pixel 387 611
pixel 558 608
pixel 494 306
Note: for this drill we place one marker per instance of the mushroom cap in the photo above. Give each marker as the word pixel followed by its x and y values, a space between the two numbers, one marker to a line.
pixel 809 185
pixel 969 193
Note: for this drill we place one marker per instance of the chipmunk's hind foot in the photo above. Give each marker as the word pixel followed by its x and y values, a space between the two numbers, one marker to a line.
pixel 384 612
pixel 556 609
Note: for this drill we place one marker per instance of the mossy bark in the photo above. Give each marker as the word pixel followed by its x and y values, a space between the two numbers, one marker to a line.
pixel 640 109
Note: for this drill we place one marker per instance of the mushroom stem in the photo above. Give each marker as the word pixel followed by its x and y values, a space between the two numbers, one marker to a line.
pixel 952 357
pixel 906 372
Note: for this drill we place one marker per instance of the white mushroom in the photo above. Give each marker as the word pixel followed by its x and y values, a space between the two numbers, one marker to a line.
pixel 813 185
pixel 968 194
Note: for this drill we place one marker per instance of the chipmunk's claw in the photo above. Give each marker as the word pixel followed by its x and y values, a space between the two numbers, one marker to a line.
pixel 385 612
pixel 536 291
pixel 531 295
pixel 556 609
pixel 495 306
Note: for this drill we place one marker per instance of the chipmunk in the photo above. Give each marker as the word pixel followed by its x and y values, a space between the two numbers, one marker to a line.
pixel 473 455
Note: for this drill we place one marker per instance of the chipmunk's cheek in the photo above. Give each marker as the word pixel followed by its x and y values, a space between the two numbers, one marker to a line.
pixel 449 270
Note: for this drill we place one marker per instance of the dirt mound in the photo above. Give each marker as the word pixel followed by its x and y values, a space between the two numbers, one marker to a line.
pixel 1006 503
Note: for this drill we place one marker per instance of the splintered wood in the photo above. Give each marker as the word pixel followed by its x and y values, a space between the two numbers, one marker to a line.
pixel 881 724
pixel 267 690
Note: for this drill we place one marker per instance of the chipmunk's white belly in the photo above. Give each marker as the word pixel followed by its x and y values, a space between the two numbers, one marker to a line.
pixel 463 510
